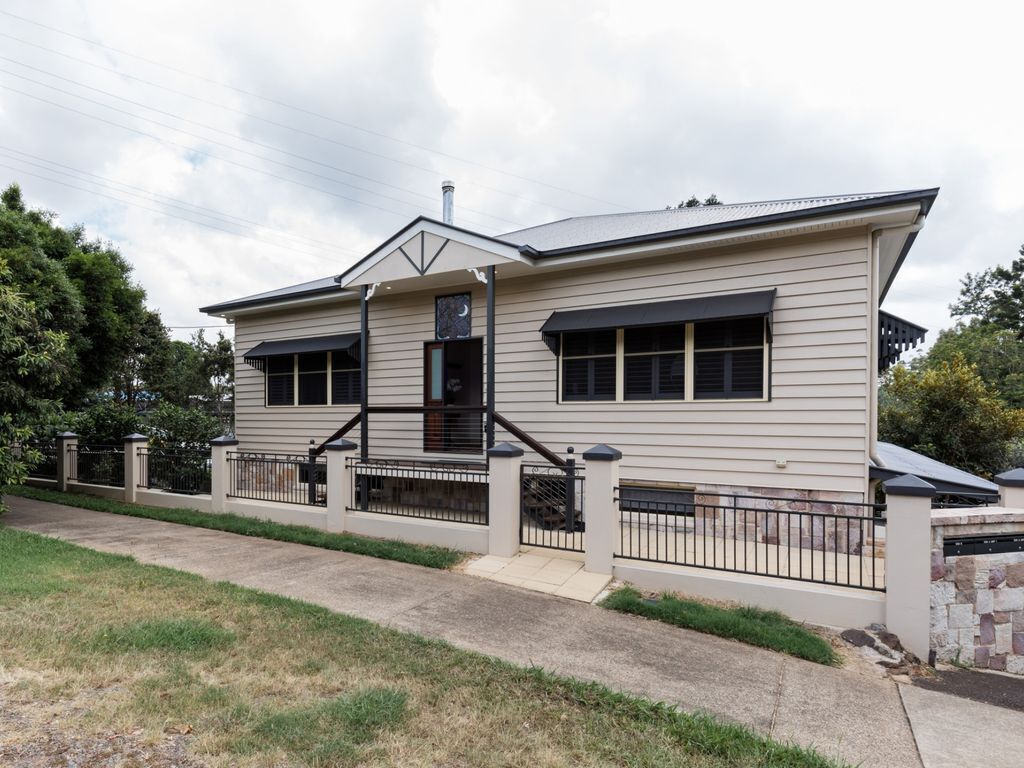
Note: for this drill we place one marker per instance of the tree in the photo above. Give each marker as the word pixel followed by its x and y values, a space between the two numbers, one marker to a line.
pixel 30 373
pixel 949 413
pixel 695 202
pixel 995 296
pixel 105 422
pixel 996 354
pixel 171 426
pixel 146 357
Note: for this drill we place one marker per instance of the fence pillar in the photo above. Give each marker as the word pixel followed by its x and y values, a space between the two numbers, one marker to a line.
pixel 1011 488
pixel 219 479
pixel 339 483
pixel 908 545
pixel 133 464
pixel 601 509
pixel 504 497
pixel 65 441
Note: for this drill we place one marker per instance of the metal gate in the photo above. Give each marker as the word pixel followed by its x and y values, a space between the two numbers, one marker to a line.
pixel 552 506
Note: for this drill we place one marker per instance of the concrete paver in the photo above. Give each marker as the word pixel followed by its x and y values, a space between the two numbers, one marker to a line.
pixel 953 732
pixel 839 711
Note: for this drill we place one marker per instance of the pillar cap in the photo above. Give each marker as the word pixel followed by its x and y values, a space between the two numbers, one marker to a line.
pixel 506 450
pixel 602 452
pixel 341 444
pixel 1012 479
pixel 135 437
pixel 224 440
pixel 908 485
pixel 67 436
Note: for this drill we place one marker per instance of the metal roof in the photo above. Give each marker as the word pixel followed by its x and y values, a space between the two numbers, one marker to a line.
pixel 947 479
pixel 588 233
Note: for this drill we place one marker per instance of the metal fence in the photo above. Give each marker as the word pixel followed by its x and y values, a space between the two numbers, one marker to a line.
pixel 552 506
pixel 960 501
pixel 453 492
pixel 284 477
pixel 178 470
pixel 46 467
pixel 800 539
pixel 96 464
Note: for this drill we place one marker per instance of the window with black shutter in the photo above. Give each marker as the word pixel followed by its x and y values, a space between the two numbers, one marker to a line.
pixel 654 363
pixel 729 358
pixel 313 378
pixel 588 365
pixel 345 377
pixel 281 380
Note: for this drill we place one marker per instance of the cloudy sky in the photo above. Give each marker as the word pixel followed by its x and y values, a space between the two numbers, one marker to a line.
pixel 230 148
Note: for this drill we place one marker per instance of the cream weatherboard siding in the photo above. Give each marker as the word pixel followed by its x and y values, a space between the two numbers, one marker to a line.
pixel 816 420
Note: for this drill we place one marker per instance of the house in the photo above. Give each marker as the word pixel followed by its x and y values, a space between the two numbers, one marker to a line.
pixel 721 349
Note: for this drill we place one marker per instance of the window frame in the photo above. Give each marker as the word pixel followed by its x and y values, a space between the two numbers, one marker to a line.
pixel 689 362
pixel 329 373
pixel 615 355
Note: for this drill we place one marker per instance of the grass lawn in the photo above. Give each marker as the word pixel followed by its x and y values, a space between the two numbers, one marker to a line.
pixel 767 629
pixel 417 554
pixel 103 655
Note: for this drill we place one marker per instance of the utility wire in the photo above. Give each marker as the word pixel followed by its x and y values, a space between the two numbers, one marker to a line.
pixel 230 147
pixel 203 210
pixel 312 113
pixel 165 213
pixel 432 171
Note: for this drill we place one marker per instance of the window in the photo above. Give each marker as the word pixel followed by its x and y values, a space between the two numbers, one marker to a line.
pixel 281 380
pixel 452 316
pixel 729 359
pixel 589 365
pixel 314 378
pixel 346 380
pixel 654 363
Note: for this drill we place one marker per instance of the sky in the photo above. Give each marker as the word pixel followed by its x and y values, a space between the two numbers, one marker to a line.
pixel 228 148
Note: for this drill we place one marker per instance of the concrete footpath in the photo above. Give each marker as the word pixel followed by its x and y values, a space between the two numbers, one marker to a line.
pixel 848 713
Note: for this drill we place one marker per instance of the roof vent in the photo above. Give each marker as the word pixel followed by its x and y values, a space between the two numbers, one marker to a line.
pixel 448 202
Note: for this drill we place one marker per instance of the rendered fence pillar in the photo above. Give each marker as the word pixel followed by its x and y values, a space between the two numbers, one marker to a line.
pixel 219 480
pixel 504 499
pixel 133 464
pixel 601 509
pixel 1011 488
pixel 66 441
pixel 908 544
pixel 339 483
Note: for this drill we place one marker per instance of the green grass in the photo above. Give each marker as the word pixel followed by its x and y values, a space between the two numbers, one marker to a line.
pixel 262 680
pixel 417 554
pixel 754 626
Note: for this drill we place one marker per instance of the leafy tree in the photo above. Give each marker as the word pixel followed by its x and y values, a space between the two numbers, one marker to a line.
pixel 995 296
pixel 145 361
pixel 31 368
pixel 695 202
pixel 949 413
pixel 171 426
pixel 105 422
pixel 996 353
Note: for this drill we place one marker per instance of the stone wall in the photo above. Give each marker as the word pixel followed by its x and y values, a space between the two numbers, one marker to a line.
pixel 977 601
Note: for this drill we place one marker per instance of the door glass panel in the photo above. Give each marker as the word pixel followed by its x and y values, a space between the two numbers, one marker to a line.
pixel 436 374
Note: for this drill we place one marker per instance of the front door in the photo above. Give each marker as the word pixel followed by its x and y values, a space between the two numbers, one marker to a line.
pixel 453 383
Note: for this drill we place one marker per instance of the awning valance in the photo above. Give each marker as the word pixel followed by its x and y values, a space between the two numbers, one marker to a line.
pixel 256 357
pixel 735 305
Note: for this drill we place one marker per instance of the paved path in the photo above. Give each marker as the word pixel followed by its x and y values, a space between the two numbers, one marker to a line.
pixel 848 713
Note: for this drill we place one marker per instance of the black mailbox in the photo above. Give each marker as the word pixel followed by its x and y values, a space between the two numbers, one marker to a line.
pixel 983 545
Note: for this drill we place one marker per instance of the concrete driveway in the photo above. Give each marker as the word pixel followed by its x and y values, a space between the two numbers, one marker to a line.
pixel 848 713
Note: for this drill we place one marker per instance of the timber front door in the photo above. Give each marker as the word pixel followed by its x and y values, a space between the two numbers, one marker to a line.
pixel 453 385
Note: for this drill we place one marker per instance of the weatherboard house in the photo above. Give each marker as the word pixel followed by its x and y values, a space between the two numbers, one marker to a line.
pixel 729 348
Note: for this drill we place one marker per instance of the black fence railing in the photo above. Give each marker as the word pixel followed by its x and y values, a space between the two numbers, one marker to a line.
pixel 46 466
pixel 283 477
pixel 804 540
pixel 960 501
pixel 432 490
pixel 96 464
pixel 552 506
pixel 178 470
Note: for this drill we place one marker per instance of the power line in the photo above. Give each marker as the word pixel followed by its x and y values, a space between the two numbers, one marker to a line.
pixel 230 147
pixel 313 113
pixel 432 171
pixel 201 210
pixel 163 213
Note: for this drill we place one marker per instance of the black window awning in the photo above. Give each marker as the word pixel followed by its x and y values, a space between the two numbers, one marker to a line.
pixel 257 356
pixel 735 305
